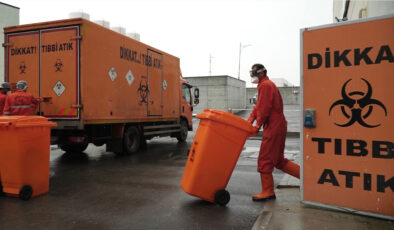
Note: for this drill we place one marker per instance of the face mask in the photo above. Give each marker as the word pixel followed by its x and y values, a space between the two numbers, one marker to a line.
pixel 255 80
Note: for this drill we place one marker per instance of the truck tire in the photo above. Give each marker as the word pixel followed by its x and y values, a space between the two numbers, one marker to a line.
pixel 74 147
pixel 182 135
pixel 131 140
pixel 99 143
pixel 1 190
pixel 143 144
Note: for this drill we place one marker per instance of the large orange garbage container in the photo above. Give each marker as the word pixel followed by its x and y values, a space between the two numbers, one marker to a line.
pixel 213 155
pixel 24 155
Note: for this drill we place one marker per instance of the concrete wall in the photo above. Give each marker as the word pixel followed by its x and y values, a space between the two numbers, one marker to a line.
pixel 362 9
pixel 290 95
pixel 236 93
pixel 219 92
pixel 9 16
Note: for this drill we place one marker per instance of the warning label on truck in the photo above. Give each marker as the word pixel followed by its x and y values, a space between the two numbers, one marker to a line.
pixel 140 58
pixel 56 47
pixel 59 88
pixel 112 74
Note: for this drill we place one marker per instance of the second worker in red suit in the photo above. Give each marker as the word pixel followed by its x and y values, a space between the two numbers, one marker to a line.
pixel 20 102
pixel 4 89
pixel 268 113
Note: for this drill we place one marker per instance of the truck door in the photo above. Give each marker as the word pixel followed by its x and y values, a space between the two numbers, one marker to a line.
pixel 155 83
pixel 60 72
pixel 22 62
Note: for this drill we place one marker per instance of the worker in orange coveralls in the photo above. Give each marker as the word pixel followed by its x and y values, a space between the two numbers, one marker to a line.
pixel 268 112
pixel 20 102
pixel 4 89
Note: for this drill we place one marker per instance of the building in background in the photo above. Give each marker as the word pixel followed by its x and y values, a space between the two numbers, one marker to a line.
pixel 281 82
pixel 290 95
pixel 345 10
pixel 9 16
pixel 219 92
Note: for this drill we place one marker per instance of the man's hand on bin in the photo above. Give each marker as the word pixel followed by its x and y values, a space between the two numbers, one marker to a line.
pixel 256 130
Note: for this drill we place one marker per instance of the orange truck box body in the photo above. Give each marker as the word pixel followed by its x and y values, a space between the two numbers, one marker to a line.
pixel 92 74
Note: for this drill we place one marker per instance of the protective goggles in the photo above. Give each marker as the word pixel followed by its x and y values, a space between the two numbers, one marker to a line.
pixel 254 73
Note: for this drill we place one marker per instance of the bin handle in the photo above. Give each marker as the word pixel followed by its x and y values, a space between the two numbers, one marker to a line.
pixel 26 118
pixel 5 123
pixel 49 124
pixel 207 115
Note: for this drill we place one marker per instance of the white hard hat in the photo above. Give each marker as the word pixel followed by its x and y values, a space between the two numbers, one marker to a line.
pixel 21 85
pixel 5 85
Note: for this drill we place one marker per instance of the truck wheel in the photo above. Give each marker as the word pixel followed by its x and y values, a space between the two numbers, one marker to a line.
pixel 131 140
pixel 1 190
pixel 75 147
pixel 98 143
pixel 222 197
pixel 143 144
pixel 26 192
pixel 182 135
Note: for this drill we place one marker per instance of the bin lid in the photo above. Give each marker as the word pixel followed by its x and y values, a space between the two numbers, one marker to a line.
pixel 227 118
pixel 24 121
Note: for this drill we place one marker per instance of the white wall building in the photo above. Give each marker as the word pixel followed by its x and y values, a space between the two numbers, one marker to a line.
pixel 9 16
pixel 281 82
pixel 355 9
pixel 219 92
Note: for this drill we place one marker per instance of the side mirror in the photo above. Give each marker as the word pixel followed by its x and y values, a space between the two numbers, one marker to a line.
pixel 196 93
pixel 196 101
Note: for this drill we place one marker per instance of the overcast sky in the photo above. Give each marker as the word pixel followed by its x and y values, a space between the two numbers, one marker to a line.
pixel 192 30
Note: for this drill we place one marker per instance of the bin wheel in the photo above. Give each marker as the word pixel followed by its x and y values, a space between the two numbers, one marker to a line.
pixel 131 140
pixel 26 192
pixel 222 197
pixel 182 135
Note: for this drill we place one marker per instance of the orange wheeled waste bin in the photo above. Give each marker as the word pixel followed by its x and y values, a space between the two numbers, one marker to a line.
pixel 213 155
pixel 24 156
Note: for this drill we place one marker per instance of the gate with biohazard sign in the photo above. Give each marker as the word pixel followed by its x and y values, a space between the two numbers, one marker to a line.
pixel 347 141
pixel 49 61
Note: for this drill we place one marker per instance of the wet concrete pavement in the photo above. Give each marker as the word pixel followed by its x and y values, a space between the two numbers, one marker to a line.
pixel 99 190
pixel 288 212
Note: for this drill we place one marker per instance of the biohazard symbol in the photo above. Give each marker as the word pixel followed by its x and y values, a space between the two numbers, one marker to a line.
pixel 58 65
pixel 357 106
pixel 22 67
pixel 143 91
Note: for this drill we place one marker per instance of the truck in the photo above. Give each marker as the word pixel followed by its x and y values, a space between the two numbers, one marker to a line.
pixel 98 85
